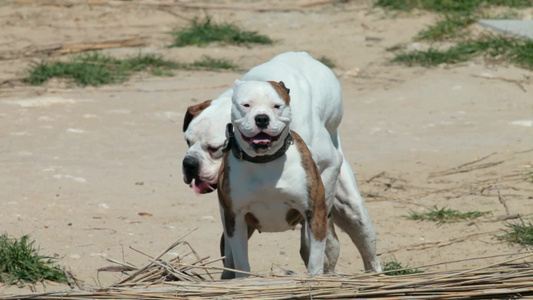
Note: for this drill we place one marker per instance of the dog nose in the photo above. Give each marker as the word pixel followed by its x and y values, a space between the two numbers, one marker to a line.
pixel 262 121
pixel 191 166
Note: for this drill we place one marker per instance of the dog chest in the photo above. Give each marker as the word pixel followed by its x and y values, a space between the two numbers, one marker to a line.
pixel 275 217
pixel 270 194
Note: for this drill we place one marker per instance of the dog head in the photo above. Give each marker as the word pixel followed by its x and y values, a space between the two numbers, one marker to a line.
pixel 203 128
pixel 261 115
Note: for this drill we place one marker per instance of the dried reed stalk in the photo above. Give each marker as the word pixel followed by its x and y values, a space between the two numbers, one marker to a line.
pixel 459 187
pixel 60 49
pixel 462 168
pixel 439 244
pixel 510 278
pixel 486 182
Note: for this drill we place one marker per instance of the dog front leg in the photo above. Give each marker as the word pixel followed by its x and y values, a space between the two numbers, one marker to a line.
pixel 317 249
pixel 332 248
pixel 225 251
pixel 239 247
pixel 228 260
pixel 225 247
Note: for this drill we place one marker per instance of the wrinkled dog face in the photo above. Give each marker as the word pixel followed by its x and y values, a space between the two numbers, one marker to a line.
pixel 261 115
pixel 204 129
pixel 205 137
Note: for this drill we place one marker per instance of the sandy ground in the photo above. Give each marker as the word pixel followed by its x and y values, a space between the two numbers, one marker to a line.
pixel 78 165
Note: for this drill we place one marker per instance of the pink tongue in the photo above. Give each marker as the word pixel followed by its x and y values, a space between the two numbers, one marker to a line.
pixel 261 141
pixel 199 188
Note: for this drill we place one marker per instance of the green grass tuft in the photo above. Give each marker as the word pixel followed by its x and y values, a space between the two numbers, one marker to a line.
pixel 430 57
pixel 519 233
pixel 449 26
pixel 515 50
pixel 431 5
pixel 394 268
pixel 445 215
pixel 446 6
pixel 20 263
pixel 521 53
pixel 202 33
pixel 213 63
pixel 146 62
pixel 456 16
pixel 97 69
pixel 91 69
pixel 509 3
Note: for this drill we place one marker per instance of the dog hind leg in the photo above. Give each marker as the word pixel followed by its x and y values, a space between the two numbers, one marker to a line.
pixel 304 244
pixel 351 216
pixel 332 249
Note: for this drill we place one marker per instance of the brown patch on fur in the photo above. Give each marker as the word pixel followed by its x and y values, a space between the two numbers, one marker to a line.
pixel 253 222
pixel 251 231
pixel 224 199
pixel 193 111
pixel 283 92
pixel 317 215
pixel 293 217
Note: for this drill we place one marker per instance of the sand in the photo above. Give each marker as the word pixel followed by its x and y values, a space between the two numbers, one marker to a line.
pixel 91 172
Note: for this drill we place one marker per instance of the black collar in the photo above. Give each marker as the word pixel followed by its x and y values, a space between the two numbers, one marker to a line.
pixel 233 145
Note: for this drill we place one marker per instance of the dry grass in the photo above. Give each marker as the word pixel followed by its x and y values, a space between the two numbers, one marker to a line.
pixel 177 279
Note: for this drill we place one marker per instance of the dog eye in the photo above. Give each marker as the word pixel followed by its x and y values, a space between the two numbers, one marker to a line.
pixel 277 106
pixel 246 105
pixel 213 149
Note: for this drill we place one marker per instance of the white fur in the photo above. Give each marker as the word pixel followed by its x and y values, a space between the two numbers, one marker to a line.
pixel 316 103
pixel 256 188
pixel 260 98
pixel 268 191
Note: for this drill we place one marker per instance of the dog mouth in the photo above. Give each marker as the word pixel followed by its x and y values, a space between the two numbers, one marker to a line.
pixel 202 187
pixel 260 141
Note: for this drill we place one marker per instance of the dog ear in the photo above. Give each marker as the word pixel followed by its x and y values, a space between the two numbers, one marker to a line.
pixel 193 111
pixel 284 87
pixel 282 90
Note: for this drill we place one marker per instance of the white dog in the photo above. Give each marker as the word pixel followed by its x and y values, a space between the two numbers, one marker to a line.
pixel 267 183
pixel 316 106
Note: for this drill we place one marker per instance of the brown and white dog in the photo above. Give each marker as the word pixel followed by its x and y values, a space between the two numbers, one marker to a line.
pixel 268 180
pixel 316 111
